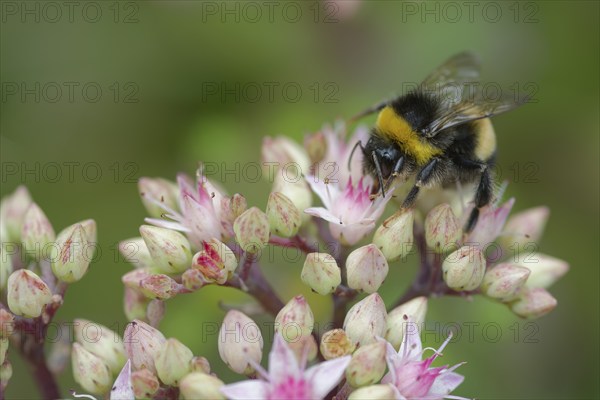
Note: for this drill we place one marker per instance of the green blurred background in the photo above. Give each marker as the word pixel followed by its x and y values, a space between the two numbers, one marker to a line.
pixel 166 56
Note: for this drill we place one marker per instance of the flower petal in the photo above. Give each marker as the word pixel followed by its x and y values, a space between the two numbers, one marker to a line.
pixel 123 388
pixel 411 347
pixel 324 376
pixel 246 390
pixel 326 192
pixel 282 361
pixel 323 214
pixel 446 383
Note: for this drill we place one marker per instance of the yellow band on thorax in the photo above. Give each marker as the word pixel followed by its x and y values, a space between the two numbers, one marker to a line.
pixel 397 129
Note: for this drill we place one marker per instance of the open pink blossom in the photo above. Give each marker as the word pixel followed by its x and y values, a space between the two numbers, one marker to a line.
pixel 203 213
pixel 414 378
pixel 350 211
pixel 287 379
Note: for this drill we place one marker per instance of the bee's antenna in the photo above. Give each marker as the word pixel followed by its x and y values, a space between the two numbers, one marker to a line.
pixel 358 144
pixel 379 174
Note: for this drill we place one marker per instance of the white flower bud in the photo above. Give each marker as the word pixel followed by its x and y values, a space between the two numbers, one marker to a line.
pixel 170 250
pixel 3 349
pixel 142 344
pixel 295 320
pixel 464 268
pixel 442 228
pixel 366 268
pixel 252 230
pixel 6 267
pixel 134 304
pixel 413 310
pixel 374 392
pixel 366 320
pixel 153 190
pixel 200 364
pixel 201 386
pixel 240 340
pixel 321 273
pixel 173 362
pixel 534 303
pixel 367 365
pixel 6 372
pixel 102 342
pixel 283 152
pixel 135 252
pixel 36 232
pixel 395 236
pixel 27 294
pixel 284 217
pixel 297 190
pixel 545 270
pixel 145 383
pixel 526 226
pixel 504 281
pixel 90 371
pixel 72 254
pixel 12 212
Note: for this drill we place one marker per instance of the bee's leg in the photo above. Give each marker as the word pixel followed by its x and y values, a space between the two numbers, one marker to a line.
pixel 423 178
pixel 483 197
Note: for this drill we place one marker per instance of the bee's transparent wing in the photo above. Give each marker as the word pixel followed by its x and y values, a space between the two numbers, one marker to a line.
pixel 470 108
pixel 446 81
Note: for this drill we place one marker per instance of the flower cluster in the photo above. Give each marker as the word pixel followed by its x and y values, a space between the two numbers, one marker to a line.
pixel 198 235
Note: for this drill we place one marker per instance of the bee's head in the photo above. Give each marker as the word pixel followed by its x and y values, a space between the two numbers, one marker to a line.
pixel 383 158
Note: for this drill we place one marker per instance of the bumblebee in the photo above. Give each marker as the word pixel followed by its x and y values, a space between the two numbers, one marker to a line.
pixel 440 133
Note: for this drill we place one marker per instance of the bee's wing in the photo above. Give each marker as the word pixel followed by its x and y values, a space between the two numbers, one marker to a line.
pixel 470 108
pixel 445 80
pixel 455 73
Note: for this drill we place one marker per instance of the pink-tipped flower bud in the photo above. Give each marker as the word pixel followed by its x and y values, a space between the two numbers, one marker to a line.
pixel 90 371
pixel 36 232
pixel 284 217
pixel 534 303
pixel 366 268
pixel 156 191
pixel 216 262
pixel 170 250
pixel 366 320
pixel 27 294
pixel 545 270
pixel 72 254
pixel 397 322
pixel 504 281
pixel 297 190
pixel 240 341
pixel 201 386
pixel 173 362
pixel 295 320
pixel 231 208
pixel 159 286
pixel 442 228
pixel 336 343
pixel 142 344
pixel 374 392
pixel 367 365
pixel 135 252
pixel 321 273
pixel 200 364
pixel 252 230
pixel 526 226
pixel 102 342
pixel 12 213
pixel 395 236
pixel 464 268
pixel 145 383
pixel 91 230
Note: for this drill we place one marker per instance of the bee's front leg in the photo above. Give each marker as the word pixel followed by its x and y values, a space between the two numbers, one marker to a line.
pixel 423 178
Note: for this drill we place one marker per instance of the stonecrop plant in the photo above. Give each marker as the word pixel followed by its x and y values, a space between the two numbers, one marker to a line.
pixel 198 235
